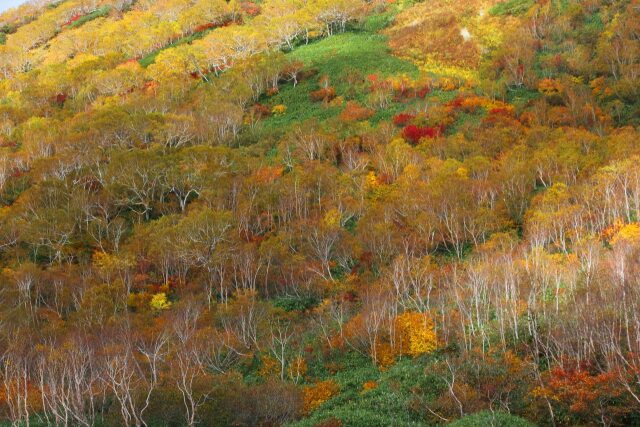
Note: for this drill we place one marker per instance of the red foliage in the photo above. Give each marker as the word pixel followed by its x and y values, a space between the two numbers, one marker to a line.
pixel 583 391
pixel 500 111
pixel 422 92
pixel 261 111
pixel 204 27
pixel 250 8
pixel 59 99
pixel 73 19
pixel 414 133
pixel 377 84
pixel 456 103
pixel 402 119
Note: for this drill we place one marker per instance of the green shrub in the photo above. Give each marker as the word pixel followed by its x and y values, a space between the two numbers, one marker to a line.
pixel 496 419
pixel 296 302
pixel 511 7
pixel 98 13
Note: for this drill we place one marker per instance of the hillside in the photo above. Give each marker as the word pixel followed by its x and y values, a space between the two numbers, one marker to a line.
pixel 320 213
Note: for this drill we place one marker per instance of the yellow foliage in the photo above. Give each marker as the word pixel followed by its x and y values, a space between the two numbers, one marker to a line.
pixel 372 180
pixel 577 80
pixel 315 395
pixel 416 333
pixel 332 218
pixel 430 65
pixel 628 234
pixel 108 263
pixel 462 172
pixel 160 302
pixel 279 109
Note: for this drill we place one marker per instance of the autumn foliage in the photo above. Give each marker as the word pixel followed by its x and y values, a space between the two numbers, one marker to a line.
pixel 325 212
pixel 415 332
pixel 414 133
pixel 318 393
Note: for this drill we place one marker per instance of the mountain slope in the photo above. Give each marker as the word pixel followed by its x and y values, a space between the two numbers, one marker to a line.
pixel 319 213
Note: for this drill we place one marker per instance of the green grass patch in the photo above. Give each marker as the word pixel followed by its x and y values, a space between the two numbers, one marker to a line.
pixel 378 22
pixel 497 419
pixel 98 13
pixel 520 97
pixel 296 302
pixel 5 30
pixel 389 403
pixel 347 59
pixel 511 7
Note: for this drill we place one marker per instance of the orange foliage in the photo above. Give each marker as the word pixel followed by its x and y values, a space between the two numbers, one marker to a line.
pixel 315 395
pixel 385 355
pixel 472 103
pixel 583 392
pixel 549 86
pixel 323 94
pixel 14 390
pixel 268 174
pixel 608 233
pixel 369 385
pixel 354 112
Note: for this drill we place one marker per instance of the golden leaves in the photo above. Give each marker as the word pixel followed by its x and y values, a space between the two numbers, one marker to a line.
pixel 315 395
pixel 416 333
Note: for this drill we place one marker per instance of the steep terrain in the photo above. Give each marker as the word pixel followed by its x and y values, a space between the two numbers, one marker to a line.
pixel 320 213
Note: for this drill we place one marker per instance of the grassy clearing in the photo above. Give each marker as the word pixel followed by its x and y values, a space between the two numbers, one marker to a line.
pixel 404 383
pixel 496 419
pixel 347 59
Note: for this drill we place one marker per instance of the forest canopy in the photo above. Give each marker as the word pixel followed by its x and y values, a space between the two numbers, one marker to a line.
pixel 320 212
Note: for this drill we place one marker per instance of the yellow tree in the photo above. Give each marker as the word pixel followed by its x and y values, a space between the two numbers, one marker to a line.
pixel 415 334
